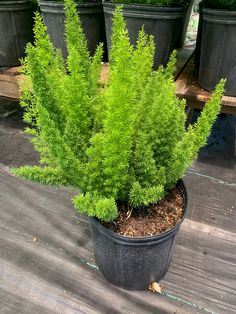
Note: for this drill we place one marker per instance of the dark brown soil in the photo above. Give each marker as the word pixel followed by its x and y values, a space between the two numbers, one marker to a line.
pixel 149 221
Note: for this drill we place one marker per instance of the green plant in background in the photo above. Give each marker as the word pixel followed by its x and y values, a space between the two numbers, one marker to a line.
pixel 77 1
pixel 220 4
pixel 154 2
pixel 125 141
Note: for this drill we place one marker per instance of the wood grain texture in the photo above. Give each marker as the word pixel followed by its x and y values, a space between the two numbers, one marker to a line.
pixel 47 260
pixel 9 87
pixel 9 77
pixel 188 88
pixel 57 272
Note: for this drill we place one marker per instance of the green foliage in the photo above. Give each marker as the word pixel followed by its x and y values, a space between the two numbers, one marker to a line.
pixel 220 4
pixel 46 175
pixel 76 1
pixel 154 2
pixel 95 205
pixel 125 141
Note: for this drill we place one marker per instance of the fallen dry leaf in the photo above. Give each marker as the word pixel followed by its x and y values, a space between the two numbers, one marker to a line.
pixel 154 287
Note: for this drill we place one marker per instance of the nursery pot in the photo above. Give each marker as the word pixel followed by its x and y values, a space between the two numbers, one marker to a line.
pixel 16 23
pixel 164 23
pixel 133 263
pixel 91 17
pixel 218 46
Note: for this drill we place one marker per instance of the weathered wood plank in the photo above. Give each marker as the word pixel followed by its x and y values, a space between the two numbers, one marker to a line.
pixel 9 77
pixel 15 147
pixel 12 71
pixel 212 202
pixel 204 267
pixel 9 87
pixel 57 271
pixel 188 88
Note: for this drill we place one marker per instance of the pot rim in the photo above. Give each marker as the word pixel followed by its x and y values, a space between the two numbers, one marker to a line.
pixel 14 5
pixel 218 11
pixel 143 5
pixel 219 16
pixel 142 11
pixel 11 2
pixel 61 3
pixel 162 236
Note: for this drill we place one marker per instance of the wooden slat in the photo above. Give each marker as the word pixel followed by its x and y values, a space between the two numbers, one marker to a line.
pixel 47 259
pixel 201 271
pixel 185 79
pixel 57 272
pixel 9 87
pixel 188 88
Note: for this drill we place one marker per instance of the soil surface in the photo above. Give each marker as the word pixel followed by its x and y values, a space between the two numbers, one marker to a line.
pixel 149 221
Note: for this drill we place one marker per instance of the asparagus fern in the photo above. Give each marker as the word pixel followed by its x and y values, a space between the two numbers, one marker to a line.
pixel 125 141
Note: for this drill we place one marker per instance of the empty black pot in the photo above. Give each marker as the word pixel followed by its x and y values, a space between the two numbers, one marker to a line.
pixel 164 23
pixel 91 17
pixel 16 23
pixel 218 46
pixel 133 263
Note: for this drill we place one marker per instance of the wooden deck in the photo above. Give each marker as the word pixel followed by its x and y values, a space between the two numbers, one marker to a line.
pixel 188 88
pixel 46 256
pixel 10 76
pixel 185 76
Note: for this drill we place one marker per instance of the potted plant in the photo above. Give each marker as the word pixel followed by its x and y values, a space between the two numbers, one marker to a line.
pixel 16 24
pixel 124 144
pixel 217 38
pixel 164 19
pixel 91 16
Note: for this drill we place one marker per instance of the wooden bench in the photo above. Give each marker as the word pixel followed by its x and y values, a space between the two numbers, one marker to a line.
pixel 188 88
pixel 185 77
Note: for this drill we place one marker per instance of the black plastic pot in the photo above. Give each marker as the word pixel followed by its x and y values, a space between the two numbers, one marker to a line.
pixel 218 49
pixel 16 23
pixel 133 263
pixel 91 17
pixel 164 23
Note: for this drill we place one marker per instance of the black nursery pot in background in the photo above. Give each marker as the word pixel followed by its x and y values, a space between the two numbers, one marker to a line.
pixel 218 49
pixel 16 23
pixel 91 17
pixel 164 23
pixel 133 263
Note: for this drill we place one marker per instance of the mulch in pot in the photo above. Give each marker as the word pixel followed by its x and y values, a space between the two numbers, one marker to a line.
pixel 149 221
